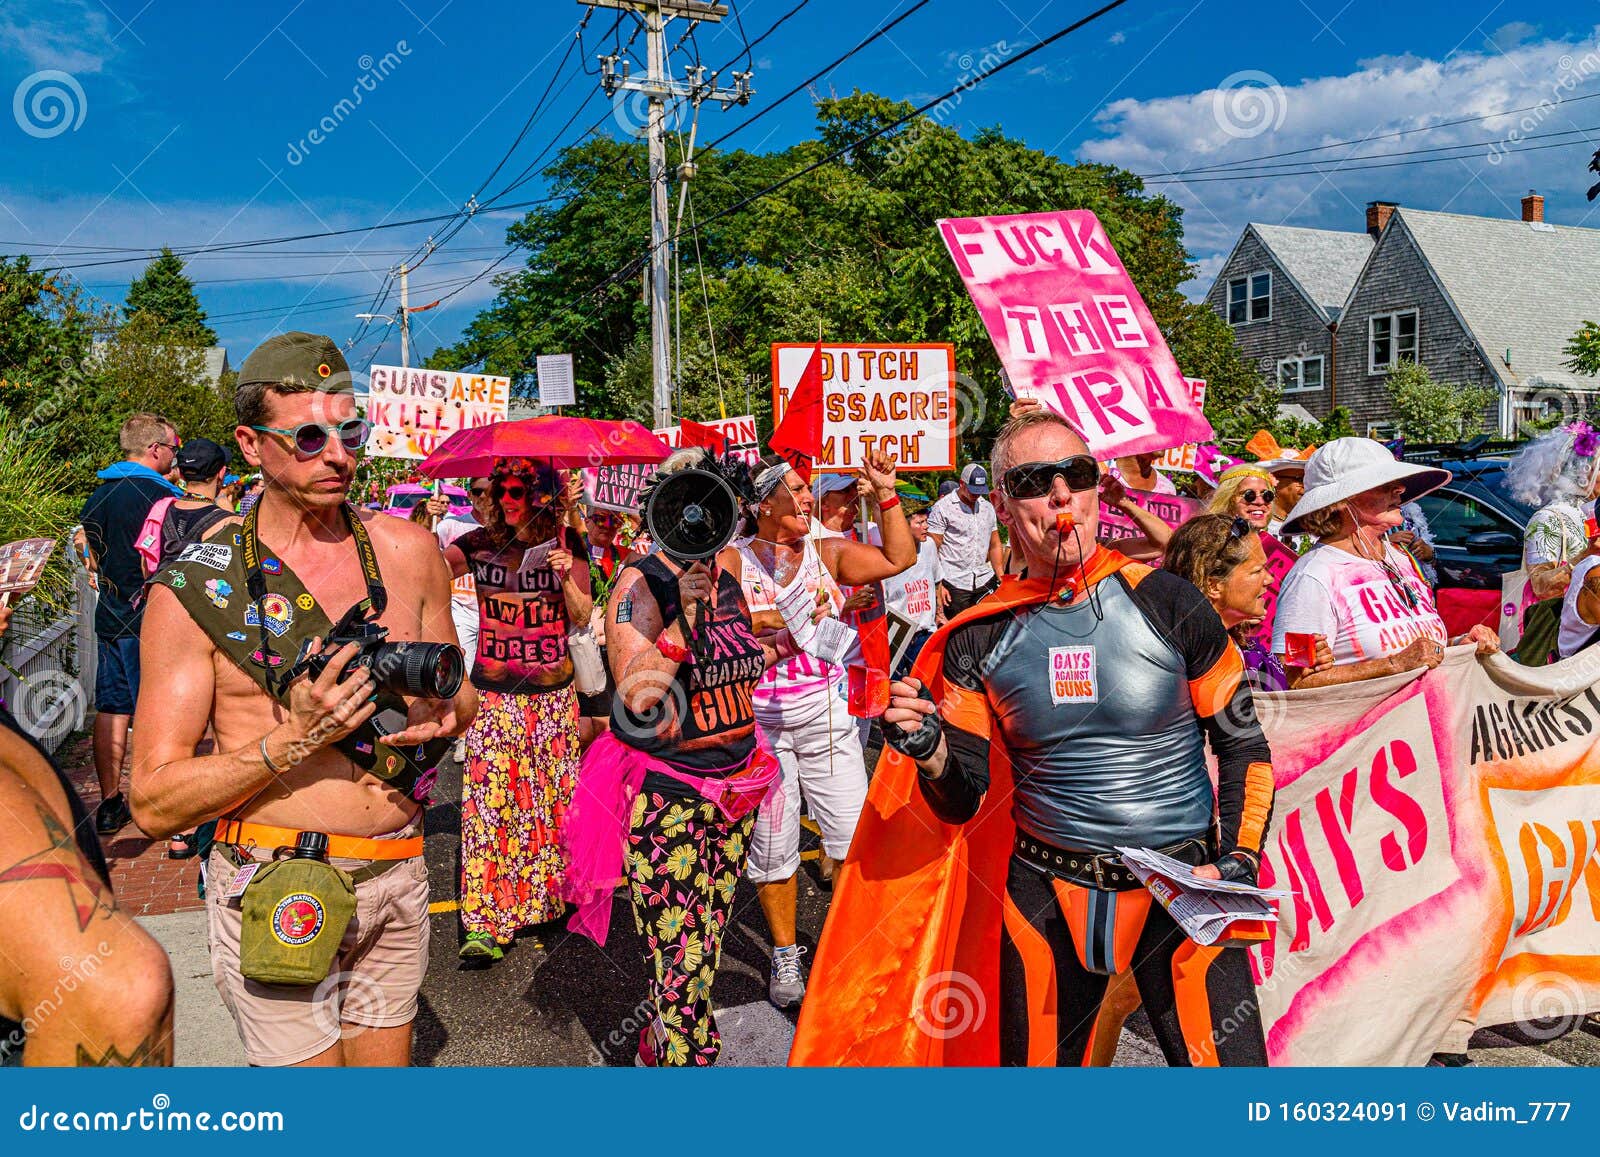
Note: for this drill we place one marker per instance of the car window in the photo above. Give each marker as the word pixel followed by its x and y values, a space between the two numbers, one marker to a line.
pixel 1452 516
pixel 405 501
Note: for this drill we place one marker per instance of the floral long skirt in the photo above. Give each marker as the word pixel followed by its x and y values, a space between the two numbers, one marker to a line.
pixel 684 863
pixel 522 761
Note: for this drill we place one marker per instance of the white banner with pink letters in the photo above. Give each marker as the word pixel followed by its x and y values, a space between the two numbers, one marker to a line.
pixel 1441 837
pixel 1072 330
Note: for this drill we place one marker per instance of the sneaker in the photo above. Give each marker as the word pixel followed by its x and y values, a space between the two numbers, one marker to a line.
pixel 481 946
pixel 1450 1061
pixel 645 1058
pixel 788 984
pixel 112 815
pixel 459 751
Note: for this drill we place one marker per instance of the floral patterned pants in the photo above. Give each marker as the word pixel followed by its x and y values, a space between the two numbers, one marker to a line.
pixel 522 760
pixel 684 863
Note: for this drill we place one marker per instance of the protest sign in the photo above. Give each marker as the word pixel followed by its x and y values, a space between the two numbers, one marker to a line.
pixel 21 564
pixel 1072 331
pixel 1181 458
pixel 1172 509
pixel 413 410
pixel 1439 834
pixel 556 384
pixel 896 398
pixel 740 431
pixel 617 487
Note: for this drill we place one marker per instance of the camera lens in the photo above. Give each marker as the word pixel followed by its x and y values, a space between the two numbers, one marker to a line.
pixel 421 670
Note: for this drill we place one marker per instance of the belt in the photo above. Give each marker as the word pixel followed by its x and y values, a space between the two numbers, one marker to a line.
pixel 1101 870
pixel 244 833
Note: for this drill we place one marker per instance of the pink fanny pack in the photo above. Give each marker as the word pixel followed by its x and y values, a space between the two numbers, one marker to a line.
pixel 595 834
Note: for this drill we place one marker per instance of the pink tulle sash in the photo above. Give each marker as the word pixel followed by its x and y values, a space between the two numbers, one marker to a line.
pixel 595 833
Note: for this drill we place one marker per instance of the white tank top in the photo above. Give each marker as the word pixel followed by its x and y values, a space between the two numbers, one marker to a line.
pixel 797 689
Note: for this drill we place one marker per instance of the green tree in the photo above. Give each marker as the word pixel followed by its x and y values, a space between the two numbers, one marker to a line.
pixel 1430 411
pixel 1337 425
pixel 46 332
pixel 849 249
pixel 1583 351
pixel 165 292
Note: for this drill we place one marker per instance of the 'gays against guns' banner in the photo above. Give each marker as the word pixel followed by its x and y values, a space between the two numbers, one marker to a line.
pixel 1440 836
pixel 1072 330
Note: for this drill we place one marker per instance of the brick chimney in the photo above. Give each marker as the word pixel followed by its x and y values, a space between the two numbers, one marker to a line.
pixel 1378 214
pixel 1533 206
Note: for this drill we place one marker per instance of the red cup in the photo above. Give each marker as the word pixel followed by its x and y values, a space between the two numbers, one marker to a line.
pixel 868 692
pixel 1301 649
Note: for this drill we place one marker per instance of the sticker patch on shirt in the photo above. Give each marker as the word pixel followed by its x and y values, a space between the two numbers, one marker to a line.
pixel 1072 675
pixel 211 554
pixel 279 614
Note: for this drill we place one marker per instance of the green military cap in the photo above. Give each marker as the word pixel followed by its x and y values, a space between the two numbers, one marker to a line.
pixel 300 361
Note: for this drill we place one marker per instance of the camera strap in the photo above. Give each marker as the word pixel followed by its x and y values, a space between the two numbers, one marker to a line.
pixel 256 584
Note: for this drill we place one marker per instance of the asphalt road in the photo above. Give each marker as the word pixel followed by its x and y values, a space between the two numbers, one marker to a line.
pixel 557 999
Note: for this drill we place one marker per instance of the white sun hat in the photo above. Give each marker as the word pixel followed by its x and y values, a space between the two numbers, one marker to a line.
pixel 1345 467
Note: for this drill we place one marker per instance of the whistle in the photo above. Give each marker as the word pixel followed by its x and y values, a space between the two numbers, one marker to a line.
pixel 1064 522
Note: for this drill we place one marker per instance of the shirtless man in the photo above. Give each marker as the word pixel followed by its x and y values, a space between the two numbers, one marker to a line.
pixel 277 771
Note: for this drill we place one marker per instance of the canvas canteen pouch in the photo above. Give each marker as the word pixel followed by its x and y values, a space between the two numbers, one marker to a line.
pixel 295 915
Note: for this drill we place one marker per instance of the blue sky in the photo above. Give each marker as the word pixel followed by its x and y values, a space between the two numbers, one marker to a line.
pixel 191 124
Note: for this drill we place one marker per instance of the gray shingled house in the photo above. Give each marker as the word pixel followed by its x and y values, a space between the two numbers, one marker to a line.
pixel 1477 300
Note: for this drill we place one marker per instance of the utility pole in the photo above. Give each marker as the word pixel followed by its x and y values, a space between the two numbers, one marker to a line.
pixel 405 319
pixel 659 87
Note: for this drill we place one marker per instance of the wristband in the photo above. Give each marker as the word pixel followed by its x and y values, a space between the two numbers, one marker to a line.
pixel 889 503
pixel 671 650
pixel 267 759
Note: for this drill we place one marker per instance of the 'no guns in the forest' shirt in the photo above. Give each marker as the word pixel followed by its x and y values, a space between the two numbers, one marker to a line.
pixel 795 690
pixel 522 614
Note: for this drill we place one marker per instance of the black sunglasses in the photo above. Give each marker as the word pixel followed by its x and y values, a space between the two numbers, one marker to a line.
pixel 310 438
pixel 1239 528
pixel 1034 479
pixel 1258 495
pixel 479 491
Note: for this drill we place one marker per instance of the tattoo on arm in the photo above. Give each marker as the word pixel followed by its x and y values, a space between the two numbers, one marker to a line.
pixel 88 893
pixel 152 1051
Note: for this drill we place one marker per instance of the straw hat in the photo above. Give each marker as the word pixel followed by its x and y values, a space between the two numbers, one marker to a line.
pixel 1346 467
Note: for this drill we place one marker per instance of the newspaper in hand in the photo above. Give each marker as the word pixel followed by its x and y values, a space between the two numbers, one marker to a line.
pixel 827 639
pixel 1204 909
pixel 22 562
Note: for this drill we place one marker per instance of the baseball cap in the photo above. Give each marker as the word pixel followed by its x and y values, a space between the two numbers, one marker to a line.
pixel 306 361
pixel 199 459
pixel 975 478
pixel 828 483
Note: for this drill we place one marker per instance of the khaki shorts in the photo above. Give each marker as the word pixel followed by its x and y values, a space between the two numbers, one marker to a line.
pixel 374 980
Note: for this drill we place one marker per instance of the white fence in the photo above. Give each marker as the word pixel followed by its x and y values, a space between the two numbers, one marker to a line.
pixel 47 665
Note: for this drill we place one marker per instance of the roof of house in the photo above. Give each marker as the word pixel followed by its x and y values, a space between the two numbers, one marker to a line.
pixel 1324 263
pixel 1517 286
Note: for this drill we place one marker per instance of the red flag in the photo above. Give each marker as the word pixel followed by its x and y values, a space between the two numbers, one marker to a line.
pixel 798 437
pixel 695 434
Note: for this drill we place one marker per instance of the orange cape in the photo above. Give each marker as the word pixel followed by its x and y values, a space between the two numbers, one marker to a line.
pixel 908 968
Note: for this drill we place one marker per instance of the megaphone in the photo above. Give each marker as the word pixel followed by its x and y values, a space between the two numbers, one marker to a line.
pixel 692 514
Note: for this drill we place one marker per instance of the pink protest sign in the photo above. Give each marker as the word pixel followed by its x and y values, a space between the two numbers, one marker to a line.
pixel 1072 330
pixel 1172 509
pixel 1280 561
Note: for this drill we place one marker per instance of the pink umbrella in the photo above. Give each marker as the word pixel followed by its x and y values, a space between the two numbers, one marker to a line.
pixel 560 441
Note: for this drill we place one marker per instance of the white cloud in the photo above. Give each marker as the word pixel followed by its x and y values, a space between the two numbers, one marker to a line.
pixel 1250 115
pixel 77 37
pixel 1117 38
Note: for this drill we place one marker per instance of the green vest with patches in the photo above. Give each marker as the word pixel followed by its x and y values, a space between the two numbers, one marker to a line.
pixel 210 581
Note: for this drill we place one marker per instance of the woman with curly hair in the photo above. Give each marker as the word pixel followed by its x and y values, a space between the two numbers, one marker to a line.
pixel 1559 474
pixel 522 749
pixel 667 797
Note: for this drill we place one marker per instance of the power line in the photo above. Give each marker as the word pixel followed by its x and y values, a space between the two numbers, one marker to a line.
pixel 1247 162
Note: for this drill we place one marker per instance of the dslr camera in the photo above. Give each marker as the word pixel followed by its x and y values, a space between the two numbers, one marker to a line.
pixel 418 670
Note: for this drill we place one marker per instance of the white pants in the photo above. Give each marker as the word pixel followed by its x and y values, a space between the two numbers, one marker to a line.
pixel 466 621
pixel 823 759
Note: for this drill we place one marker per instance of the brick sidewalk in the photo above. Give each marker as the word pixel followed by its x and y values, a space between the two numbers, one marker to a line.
pixel 145 881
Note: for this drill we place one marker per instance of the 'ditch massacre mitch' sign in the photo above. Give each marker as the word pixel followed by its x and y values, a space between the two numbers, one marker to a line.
pixel 896 398
pixel 1072 330
pixel 413 410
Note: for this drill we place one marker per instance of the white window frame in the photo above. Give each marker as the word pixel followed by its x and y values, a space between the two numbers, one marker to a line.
pixel 1300 374
pixel 1395 354
pixel 1250 297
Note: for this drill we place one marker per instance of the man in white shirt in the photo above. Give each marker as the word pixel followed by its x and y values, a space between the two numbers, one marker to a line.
pixel 914 594
pixel 967 536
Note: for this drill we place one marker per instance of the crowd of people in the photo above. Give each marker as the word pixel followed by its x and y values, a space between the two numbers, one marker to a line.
pixel 633 719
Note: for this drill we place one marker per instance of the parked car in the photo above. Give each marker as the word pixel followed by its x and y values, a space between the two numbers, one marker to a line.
pixel 405 497
pixel 1477 526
